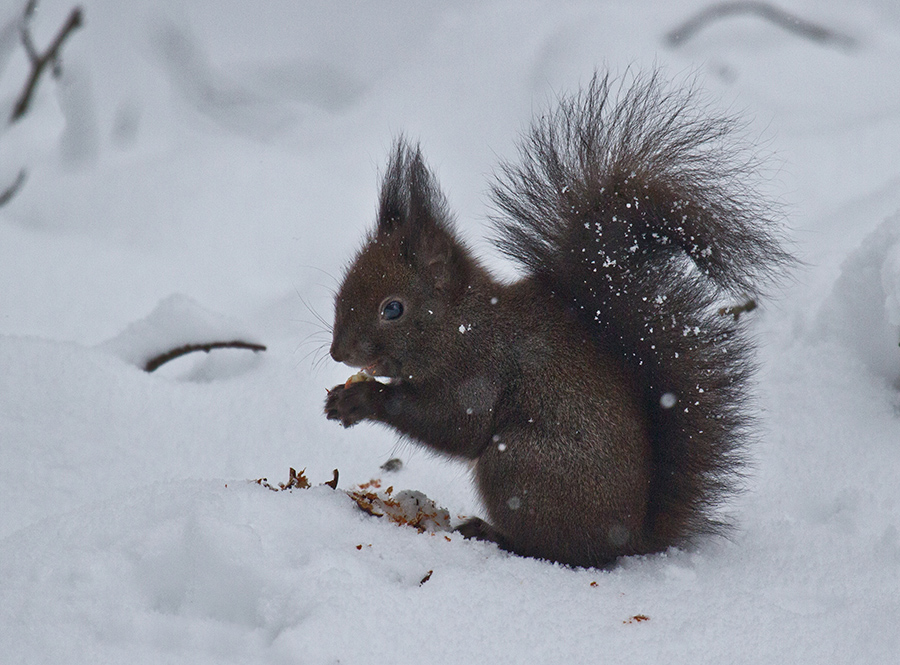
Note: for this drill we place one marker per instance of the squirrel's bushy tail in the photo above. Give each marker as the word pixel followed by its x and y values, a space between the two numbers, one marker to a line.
pixel 637 208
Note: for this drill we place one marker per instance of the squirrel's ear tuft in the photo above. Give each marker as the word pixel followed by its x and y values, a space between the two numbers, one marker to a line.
pixel 411 203
pixel 393 206
pixel 413 212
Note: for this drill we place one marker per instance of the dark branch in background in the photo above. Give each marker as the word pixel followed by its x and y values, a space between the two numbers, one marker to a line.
pixel 163 358
pixel 39 61
pixel 10 191
pixel 765 11
pixel 24 32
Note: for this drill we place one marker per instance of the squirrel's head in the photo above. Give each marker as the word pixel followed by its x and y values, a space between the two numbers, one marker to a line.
pixel 398 297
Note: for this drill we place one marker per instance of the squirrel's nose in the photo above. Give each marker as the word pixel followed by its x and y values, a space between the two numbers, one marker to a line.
pixel 336 352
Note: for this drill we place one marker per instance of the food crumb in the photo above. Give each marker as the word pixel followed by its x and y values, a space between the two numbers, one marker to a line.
pixel 637 618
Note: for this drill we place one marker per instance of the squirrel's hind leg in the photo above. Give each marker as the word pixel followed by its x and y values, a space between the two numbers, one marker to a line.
pixel 476 528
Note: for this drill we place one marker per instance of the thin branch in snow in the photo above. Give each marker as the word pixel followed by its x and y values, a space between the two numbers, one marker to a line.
pixel 40 61
pixel 10 191
pixel 765 11
pixel 155 362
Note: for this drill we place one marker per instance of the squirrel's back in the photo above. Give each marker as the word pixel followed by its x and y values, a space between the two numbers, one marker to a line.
pixel 639 211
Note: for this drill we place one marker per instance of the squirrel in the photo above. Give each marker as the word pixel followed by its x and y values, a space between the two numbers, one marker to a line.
pixel 603 398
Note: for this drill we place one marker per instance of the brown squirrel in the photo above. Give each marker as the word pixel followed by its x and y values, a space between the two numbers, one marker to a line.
pixel 602 397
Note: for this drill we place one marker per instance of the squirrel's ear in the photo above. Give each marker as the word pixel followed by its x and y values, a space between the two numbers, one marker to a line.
pixel 437 255
pixel 413 213
pixel 431 243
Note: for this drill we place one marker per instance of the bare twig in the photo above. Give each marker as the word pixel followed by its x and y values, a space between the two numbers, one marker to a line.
pixel 765 11
pixel 155 362
pixel 40 61
pixel 10 191
pixel 25 33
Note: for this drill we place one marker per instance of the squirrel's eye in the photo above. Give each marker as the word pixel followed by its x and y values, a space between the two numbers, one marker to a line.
pixel 392 310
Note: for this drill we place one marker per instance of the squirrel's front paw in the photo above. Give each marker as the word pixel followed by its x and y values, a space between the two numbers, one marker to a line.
pixel 353 402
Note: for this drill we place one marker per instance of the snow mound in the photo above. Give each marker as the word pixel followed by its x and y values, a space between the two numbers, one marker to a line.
pixel 218 571
pixel 863 310
pixel 176 322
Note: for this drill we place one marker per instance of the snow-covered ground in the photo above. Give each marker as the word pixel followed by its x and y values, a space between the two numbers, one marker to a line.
pixel 207 168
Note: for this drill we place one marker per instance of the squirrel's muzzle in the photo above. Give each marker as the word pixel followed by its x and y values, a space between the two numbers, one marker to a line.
pixel 337 353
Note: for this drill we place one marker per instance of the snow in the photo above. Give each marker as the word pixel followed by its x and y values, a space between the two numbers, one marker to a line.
pixel 863 311
pixel 206 169
pixel 177 322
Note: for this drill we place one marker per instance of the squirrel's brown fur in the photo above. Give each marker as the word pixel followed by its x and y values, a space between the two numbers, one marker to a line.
pixel 602 397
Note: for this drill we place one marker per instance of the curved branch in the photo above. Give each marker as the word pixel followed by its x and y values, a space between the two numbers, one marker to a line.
pixel 765 11
pixel 155 362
